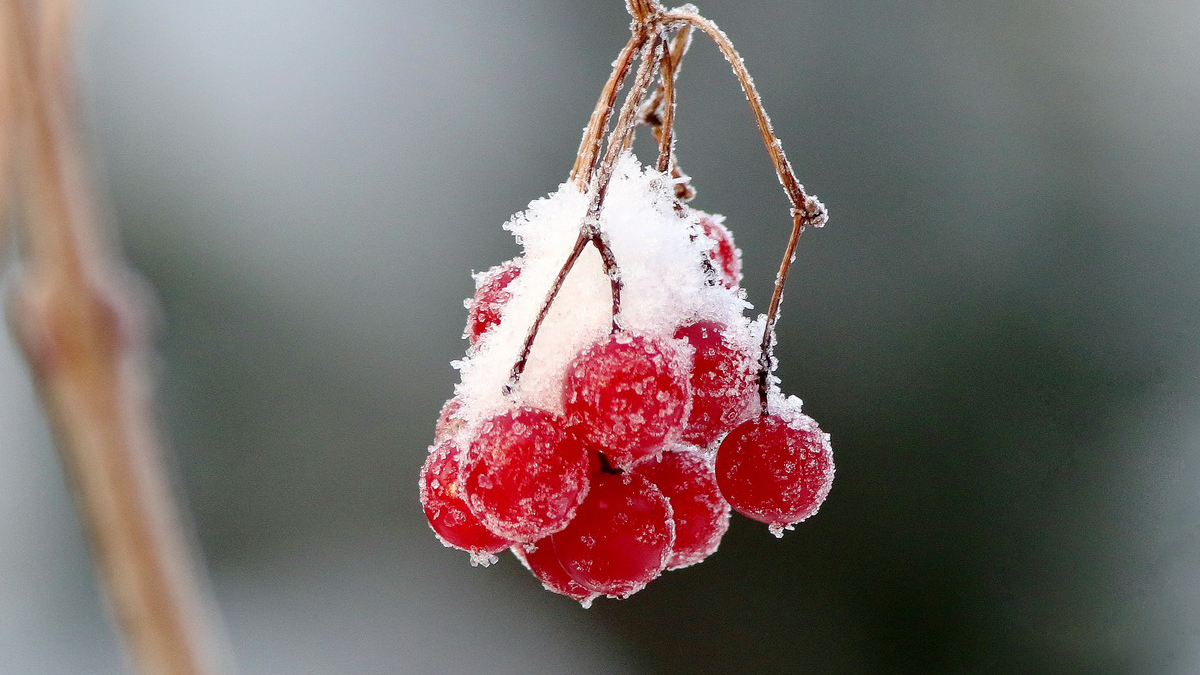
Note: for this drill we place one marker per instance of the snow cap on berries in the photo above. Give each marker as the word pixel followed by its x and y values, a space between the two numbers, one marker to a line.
pixel 658 249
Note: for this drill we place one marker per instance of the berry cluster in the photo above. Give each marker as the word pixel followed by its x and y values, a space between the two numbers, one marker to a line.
pixel 632 469
pixel 604 438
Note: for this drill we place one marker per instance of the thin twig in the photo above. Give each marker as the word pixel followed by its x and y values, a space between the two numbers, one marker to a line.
pixel 593 133
pixel 665 131
pixel 589 231
pixel 659 113
pixel 79 327
pixel 806 210
pixel 8 98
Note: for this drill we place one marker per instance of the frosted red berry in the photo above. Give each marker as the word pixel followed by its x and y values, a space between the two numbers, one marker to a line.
pixel 491 294
pixel 621 537
pixel 726 257
pixel 723 381
pixel 524 474
pixel 627 395
pixel 775 470
pixel 448 515
pixel 448 423
pixel 701 515
pixel 543 562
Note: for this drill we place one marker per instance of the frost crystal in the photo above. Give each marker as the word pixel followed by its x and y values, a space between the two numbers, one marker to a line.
pixel 658 249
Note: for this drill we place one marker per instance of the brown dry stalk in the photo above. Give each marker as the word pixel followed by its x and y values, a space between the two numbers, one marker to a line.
pixel 649 28
pixel 593 133
pixel 619 140
pixel 8 91
pixel 80 328
pixel 659 113
pixel 806 210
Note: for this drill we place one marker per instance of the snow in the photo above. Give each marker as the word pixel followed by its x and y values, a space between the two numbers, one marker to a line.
pixel 659 250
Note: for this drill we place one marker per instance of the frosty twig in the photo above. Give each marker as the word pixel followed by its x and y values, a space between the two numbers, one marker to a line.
pixel 619 140
pixel 659 113
pixel 593 134
pixel 649 29
pixel 79 327
pixel 806 210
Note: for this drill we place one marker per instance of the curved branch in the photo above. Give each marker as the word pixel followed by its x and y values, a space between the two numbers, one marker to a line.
pixel 806 210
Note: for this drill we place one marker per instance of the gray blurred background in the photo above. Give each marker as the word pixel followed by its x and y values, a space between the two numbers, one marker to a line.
pixel 999 327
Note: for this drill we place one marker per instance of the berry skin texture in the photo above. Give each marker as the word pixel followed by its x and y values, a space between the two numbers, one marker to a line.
pixel 723 382
pixel 620 540
pixel 775 470
pixel 448 515
pixel 628 395
pixel 524 475
pixel 448 423
pixel 491 294
pixel 543 562
pixel 724 254
pixel 701 515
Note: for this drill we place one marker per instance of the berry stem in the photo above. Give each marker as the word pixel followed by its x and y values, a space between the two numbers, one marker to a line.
pixel 593 133
pixel 806 209
pixel 643 11
pixel 519 367
pixel 619 140
pixel 659 113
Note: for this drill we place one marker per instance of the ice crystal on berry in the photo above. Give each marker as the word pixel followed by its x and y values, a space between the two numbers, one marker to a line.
pixel 448 515
pixel 615 400
pixel 621 538
pixel 628 396
pixel 524 475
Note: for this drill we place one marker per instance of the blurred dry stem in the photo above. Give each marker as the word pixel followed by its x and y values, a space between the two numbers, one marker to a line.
pixel 82 331
pixel 651 23
pixel 8 92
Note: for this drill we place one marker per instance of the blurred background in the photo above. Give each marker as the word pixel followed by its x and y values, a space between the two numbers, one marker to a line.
pixel 1000 328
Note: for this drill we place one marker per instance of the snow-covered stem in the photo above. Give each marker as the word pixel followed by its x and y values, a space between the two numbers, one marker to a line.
pixel 519 367
pixel 806 210
pixel 619 140
pixel 78 324
pixel 666 130
pixel 659 113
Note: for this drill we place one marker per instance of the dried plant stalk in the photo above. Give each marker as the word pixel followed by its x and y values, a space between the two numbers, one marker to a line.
pixel 8 85
pixel 659 114
pixel 650 26
pixel 589 231
pixel 593 133
pixel 80 328
pixel 806 210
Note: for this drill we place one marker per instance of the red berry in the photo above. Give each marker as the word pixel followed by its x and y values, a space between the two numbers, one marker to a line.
pixel 491 294
pixel 723 382
pixel 543 562
pixel 620 539
pixel 701 515
pixel 627 395
pixel 725 256
pixel 774 470
pixel 524 475
pixel 448 423
pixel 446 511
